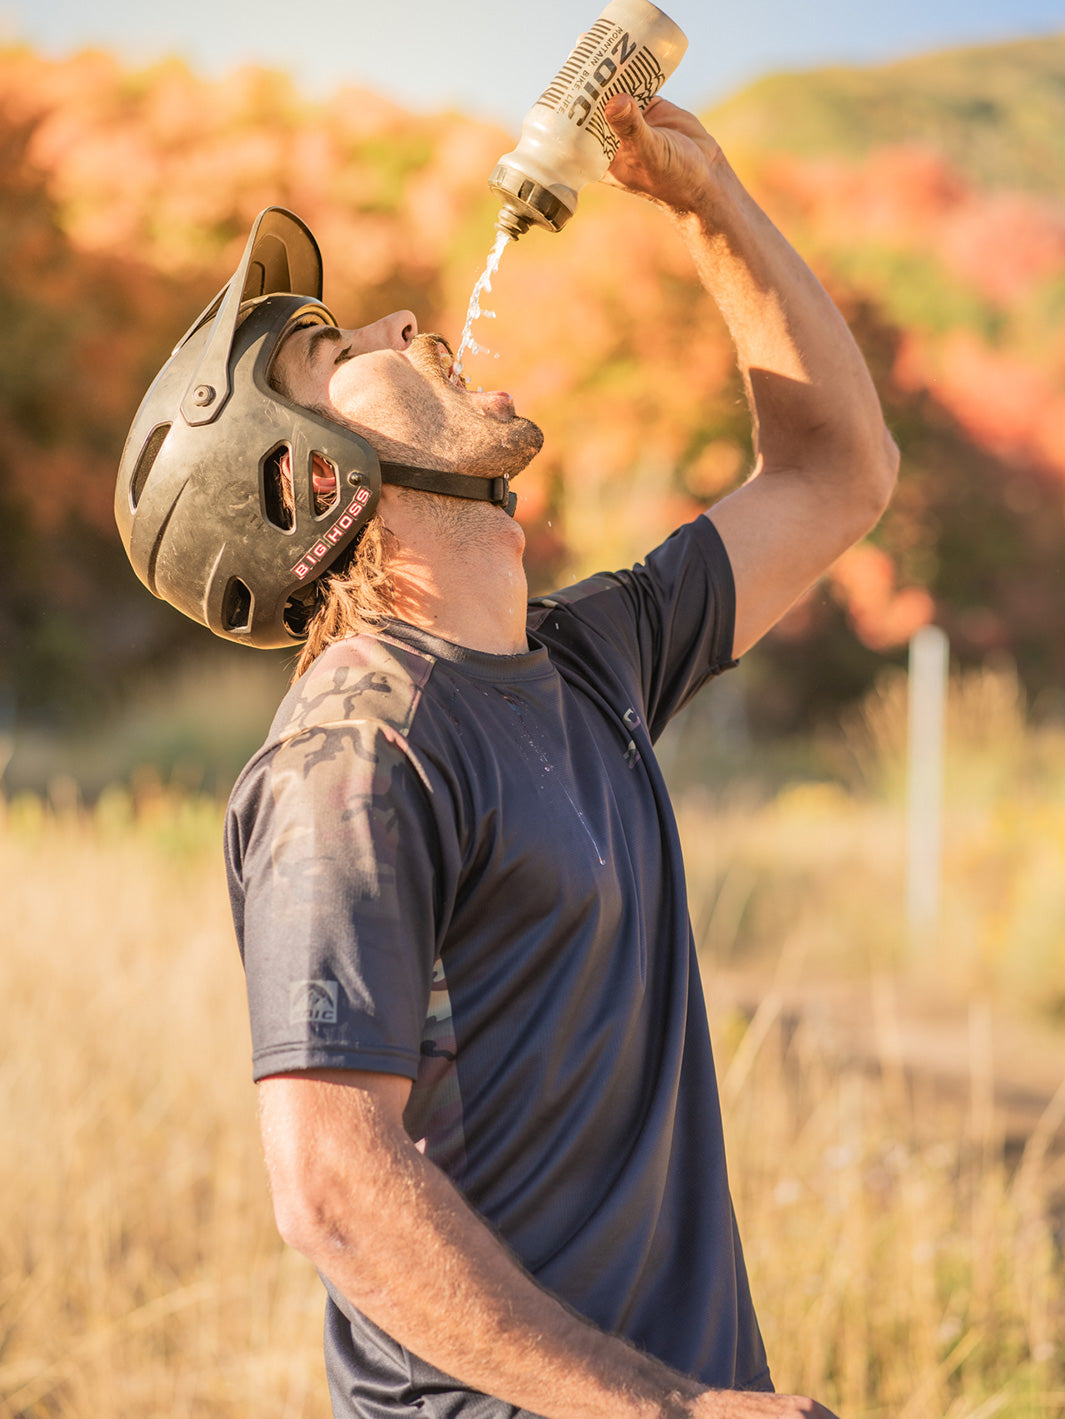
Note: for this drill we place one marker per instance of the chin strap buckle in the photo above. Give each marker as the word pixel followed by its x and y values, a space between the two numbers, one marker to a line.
pixel 502 496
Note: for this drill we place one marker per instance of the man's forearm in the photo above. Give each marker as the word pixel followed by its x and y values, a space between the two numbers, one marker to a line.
pixel 441 1284
pixel 396 1238
pixel 811 396
pixel 825 461
pixel 814 405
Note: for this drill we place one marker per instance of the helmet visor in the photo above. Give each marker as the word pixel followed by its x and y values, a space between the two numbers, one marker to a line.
pixel 280 257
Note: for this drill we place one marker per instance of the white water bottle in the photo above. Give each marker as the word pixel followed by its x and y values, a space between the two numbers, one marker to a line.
pixel 632 48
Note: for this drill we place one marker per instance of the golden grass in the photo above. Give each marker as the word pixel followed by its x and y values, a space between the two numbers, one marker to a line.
pixel 140 1273
pixel 903 1261
pixel 819 871
pixel 901 1266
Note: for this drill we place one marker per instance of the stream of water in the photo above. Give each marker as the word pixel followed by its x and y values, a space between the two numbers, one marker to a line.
pixel 475 309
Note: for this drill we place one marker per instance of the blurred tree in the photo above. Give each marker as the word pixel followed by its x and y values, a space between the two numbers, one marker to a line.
pixel 925 195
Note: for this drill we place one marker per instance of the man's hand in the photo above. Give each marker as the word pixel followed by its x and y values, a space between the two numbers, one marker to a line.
pixel 749 1404
pixel 665 153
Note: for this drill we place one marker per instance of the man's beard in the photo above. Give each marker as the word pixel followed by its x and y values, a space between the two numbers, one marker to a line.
pixel 511 444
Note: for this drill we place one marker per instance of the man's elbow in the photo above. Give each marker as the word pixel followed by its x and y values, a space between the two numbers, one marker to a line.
pixel 303 1215
pixel 333 1142
pixel 315 1203
pixel 887 473
pixel 871 479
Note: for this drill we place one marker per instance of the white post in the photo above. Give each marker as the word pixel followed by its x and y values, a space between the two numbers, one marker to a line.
pixel 929 659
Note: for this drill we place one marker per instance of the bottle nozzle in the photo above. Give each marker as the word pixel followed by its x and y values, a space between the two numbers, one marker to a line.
pixel 525 203
pixel 512 222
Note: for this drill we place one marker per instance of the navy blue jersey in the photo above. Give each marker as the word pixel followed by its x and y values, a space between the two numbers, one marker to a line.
pixel 464 868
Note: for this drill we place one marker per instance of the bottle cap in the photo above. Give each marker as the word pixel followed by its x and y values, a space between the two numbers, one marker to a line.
pixel 526 202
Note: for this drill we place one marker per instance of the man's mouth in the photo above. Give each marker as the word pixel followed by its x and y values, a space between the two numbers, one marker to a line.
pixel 452 373
pixel 496 404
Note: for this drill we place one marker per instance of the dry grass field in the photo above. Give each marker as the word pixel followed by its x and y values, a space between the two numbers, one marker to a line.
pixel 905 1238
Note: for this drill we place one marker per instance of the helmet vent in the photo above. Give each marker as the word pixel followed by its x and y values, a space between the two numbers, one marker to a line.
pixel 278 503
pixel 236 606
pixel 297 615
pixel 149 453
pixel 326 485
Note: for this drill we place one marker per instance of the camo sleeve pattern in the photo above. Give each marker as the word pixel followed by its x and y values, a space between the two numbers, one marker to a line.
pixel 337 910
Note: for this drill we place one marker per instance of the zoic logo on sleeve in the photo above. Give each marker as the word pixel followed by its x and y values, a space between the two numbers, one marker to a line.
pixel 314 1000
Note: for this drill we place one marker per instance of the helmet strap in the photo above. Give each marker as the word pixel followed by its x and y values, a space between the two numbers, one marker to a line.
pixel 453 485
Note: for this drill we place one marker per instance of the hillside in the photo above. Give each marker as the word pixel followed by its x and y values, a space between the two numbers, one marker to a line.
pixel 925 195
pixel 996 113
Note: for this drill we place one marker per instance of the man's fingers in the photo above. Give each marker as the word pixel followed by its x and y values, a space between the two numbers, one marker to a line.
pixel 623 114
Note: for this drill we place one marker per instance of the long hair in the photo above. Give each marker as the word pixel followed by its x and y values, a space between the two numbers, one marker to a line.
pixel 353 596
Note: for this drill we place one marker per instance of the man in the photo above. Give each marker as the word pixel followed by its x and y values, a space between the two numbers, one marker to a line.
pixel 487 1098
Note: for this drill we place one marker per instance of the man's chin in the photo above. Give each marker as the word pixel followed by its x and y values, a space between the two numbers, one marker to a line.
pixel 521 441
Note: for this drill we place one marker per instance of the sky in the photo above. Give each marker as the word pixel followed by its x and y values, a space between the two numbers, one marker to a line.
pixel 492 58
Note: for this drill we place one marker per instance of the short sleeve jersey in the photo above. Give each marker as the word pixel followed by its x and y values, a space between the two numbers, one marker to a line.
pixel 464 869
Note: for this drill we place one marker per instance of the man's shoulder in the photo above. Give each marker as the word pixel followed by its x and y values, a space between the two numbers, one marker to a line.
pixel 370 677
pixel 349 714
pixel 695 544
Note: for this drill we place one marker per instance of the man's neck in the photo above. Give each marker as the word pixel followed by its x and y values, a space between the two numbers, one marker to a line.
pixel 459 575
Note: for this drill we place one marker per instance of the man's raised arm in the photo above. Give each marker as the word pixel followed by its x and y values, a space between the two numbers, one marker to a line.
pixel 825 464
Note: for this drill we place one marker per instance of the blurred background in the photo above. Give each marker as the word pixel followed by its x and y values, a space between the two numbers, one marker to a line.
pixel 926 192
pixel 892 1082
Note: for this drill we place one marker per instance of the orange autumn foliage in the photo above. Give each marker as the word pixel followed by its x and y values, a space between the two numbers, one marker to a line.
pixel 125 199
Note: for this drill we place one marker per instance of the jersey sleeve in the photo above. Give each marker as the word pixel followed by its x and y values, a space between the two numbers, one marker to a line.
pixel 671 618
pixel 330 856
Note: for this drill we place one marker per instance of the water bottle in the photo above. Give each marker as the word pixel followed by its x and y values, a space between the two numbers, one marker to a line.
pixel 566 141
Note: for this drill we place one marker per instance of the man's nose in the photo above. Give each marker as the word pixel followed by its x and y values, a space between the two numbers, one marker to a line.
pixel 406 325
pixel 395 331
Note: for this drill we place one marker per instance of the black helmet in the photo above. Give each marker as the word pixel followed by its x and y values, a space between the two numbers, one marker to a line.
pixel 216 500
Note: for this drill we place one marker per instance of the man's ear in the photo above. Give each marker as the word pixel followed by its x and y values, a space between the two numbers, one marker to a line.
pixel 326 482
pixel 324 477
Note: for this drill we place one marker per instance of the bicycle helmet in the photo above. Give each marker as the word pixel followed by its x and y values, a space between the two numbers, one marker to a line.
pixel 220 501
